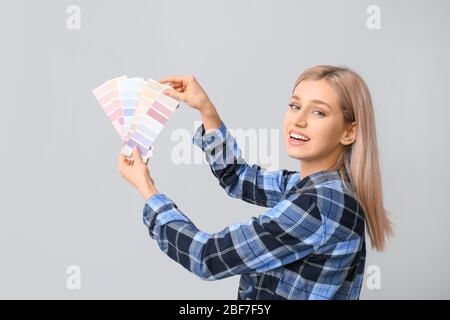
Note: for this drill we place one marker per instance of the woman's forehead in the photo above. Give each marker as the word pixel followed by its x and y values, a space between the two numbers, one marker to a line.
pixel 308 90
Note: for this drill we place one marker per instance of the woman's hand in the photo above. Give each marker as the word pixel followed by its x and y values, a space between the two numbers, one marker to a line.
pixel 188 90
pixel 136 172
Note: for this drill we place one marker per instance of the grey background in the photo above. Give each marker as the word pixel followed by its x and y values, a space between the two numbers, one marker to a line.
pixel 63 201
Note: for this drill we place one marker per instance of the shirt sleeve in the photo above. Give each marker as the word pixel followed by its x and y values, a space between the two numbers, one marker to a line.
pixel 251 183
pixel 289 231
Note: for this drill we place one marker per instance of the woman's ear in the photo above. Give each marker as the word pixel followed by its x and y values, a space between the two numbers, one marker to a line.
pixel 349 135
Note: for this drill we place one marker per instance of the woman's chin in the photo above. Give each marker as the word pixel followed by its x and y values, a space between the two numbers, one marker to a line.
pixel 295 155
pixel 299 153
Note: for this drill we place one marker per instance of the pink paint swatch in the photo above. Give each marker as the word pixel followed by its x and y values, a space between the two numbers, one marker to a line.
pixel 144 119
pixel 107 95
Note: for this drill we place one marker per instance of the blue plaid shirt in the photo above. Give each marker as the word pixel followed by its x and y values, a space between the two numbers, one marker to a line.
pixel 310 244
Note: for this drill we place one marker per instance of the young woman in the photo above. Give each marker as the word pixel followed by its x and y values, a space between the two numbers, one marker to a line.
pixel 310 243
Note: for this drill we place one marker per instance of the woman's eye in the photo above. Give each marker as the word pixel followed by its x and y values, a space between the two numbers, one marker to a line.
pixel 320 113
pixel 294 106
pixel 297 107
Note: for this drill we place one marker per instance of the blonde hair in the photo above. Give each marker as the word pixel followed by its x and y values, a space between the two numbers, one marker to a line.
pixel 359 160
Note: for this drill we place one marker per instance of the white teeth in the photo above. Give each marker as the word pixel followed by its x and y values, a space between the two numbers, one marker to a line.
pixel 299 137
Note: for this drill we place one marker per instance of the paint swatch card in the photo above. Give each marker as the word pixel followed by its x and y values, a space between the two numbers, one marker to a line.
pixel 137 109
pixel 107 95
pixel 128 92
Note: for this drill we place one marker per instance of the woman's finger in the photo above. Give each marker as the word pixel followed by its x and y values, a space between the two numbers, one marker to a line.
pixel 172 79
pixel 177 85
pixel 122 159
pixel 123 162
pixel 137 155
pixel 174 94
pixel 165 80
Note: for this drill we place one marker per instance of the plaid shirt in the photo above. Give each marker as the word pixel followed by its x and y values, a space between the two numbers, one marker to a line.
pixel 310 244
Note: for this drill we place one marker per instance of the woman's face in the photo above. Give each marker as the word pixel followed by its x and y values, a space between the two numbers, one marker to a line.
pixel 314 112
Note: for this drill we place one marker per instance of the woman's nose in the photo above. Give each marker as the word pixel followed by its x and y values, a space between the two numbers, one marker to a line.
pixel 300 120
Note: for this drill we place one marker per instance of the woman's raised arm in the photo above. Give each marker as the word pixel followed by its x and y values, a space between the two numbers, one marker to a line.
pixel 250 183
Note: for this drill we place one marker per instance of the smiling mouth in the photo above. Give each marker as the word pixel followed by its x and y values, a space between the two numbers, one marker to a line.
pixel 298 137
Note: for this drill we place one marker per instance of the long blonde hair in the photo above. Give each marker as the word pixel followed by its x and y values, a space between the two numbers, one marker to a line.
pixel 359 160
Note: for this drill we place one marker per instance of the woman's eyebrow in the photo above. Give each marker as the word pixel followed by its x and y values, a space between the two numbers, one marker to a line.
pixel 316 101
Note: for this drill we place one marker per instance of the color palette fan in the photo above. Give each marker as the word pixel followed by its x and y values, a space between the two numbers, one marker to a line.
pixel 138 110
